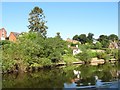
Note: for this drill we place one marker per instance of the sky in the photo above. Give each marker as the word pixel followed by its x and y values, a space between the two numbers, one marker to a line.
pixel 68 18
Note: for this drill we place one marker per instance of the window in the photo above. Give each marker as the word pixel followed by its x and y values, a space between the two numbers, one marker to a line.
pixel 3 35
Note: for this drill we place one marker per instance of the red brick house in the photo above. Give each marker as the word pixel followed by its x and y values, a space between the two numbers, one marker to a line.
pixel 13 36
pixel 3 34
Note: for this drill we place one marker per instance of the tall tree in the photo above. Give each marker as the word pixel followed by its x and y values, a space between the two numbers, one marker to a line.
pixel 37 21
pixel 90 37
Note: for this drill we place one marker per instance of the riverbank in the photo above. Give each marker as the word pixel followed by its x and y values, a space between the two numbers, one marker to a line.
pixel 94 62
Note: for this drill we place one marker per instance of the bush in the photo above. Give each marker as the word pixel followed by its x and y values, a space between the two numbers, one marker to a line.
pixel 115 54
pixel 92 54
pixel 101 55
pixel 31 49
pixel 108 51
pixel 45 62
pixel 84 56
pixel 98 45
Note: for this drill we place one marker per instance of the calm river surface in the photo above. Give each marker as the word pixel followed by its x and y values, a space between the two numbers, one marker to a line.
pixel 63 77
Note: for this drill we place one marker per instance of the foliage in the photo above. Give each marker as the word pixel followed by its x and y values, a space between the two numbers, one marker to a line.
pixel 69 58
pixel 101 55
pixel 76 37
pixel 98 45
pixel 37 22
pixel 3 42
pixel 113 37
pixel 115 53
pixel 84 56
pixel 90 38
pixel 31 49
pixel 45 62
pixel 103 39
pixel 108 51
pixel 58 35
pixel 8 57
pixel 83 38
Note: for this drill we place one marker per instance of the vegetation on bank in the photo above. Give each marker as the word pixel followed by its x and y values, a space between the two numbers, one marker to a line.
pixel 34 50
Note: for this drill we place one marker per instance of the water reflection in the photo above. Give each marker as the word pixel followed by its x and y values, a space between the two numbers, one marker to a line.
pixel 90 77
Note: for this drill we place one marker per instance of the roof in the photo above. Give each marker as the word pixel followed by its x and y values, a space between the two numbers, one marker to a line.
pixel 15 34
pixel 73 47
pixel 3 29
pixel 72 41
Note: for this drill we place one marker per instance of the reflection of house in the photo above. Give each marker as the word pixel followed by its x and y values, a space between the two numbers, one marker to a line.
pixel 13 36
pixel 113 45
pixel 3 34
pixel 76 50
pixel 72 41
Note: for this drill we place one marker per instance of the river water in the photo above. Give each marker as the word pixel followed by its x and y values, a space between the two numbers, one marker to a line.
pixel 64 77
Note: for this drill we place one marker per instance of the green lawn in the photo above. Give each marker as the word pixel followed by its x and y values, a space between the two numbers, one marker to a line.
pixel 69 59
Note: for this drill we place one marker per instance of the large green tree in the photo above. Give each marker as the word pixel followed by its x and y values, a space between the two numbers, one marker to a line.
pixel 37 21
pixel 83 38
pixel 90 37
pixel 113 37
pixel 76 37
pixel 103 39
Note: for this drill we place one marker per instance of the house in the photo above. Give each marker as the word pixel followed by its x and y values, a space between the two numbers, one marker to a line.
pixel 3 34
pixel 75 50
pixel 13 36
pixel 72 41
pixel 113 45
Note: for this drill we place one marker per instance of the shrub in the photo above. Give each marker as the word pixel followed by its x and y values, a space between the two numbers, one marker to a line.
pixel 101 55
pixel 92 54
pixel 84 56
pixel 108 51
pixel 98 45
pixel 45 61
pixel 115 54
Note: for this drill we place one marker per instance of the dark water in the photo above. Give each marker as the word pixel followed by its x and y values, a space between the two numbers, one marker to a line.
pixel 63 77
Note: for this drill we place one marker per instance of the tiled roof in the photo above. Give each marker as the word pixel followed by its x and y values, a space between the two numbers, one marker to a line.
pixel 15 33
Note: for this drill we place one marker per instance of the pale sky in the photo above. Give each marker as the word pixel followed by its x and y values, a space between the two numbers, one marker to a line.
pixel 68 18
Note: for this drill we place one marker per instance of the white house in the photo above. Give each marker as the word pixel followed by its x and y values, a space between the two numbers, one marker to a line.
pixel 76 51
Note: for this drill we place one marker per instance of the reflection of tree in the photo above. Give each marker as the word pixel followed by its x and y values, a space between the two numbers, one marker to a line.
pixel 86 71
pixel 57 77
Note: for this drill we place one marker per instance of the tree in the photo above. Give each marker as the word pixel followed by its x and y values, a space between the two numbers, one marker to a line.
pixel 90 38
pixel 58 35
pixel 37 22
pixel 84 56
pixel 103 39
pixel 113 37
pixel 76 37
pixel 83 38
